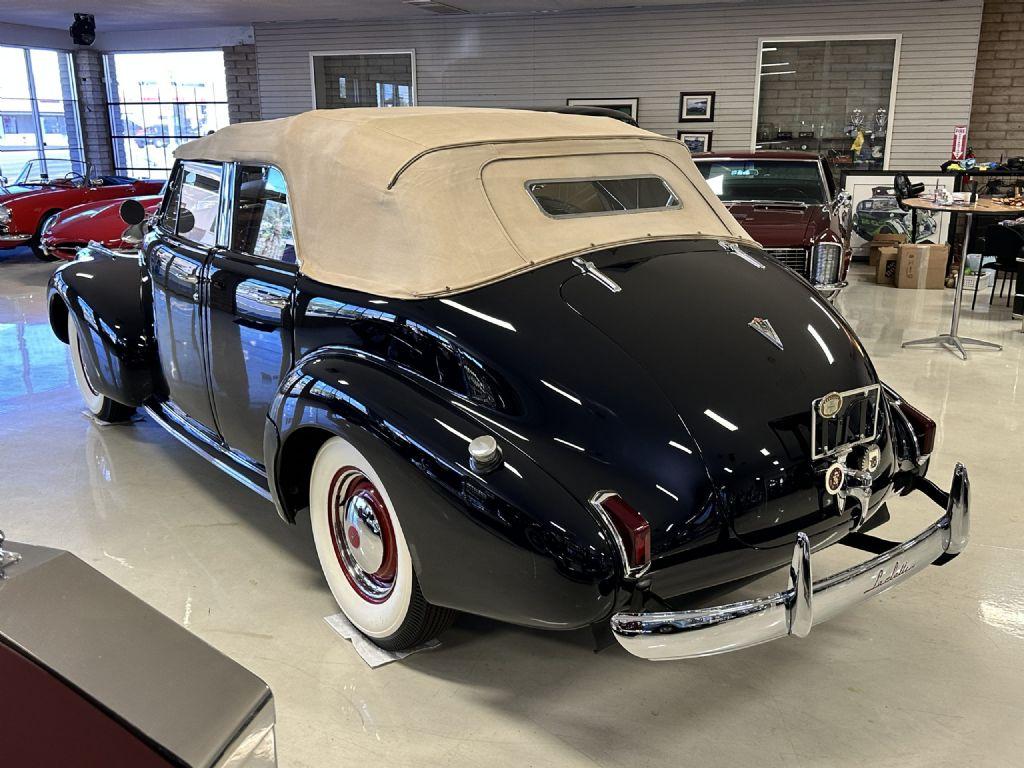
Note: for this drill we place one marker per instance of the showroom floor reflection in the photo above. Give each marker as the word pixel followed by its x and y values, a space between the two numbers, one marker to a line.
pixel 929 674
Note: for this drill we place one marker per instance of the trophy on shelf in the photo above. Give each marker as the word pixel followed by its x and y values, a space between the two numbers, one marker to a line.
pixel 855 129
pixel 855 125
pixel 881 121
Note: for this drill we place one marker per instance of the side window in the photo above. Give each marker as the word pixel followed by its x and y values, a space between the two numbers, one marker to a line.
pixel 199 203
pixel 262 221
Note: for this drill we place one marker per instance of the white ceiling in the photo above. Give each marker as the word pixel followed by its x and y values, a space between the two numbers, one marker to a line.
pixel 123 15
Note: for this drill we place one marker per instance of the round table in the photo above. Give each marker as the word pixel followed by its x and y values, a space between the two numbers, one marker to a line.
pixel 953 341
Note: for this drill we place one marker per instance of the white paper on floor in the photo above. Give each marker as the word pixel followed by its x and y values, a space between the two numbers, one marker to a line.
pixel 370 653
pixel 101 423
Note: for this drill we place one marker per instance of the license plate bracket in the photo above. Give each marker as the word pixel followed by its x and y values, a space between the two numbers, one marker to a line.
pixel 855 423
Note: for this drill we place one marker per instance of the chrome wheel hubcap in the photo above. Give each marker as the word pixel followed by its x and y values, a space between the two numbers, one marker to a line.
pixel 363 535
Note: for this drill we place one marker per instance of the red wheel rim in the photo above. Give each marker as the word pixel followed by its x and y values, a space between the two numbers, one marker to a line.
pixel 363 535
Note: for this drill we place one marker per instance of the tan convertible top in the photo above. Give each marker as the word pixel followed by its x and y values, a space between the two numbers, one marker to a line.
pixel 424 201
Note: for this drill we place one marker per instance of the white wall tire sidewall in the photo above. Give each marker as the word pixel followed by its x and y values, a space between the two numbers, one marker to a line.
pixel 378 620
pixel 93 400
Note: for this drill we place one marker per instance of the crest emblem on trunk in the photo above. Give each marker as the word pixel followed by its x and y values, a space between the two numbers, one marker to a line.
pixel 762 326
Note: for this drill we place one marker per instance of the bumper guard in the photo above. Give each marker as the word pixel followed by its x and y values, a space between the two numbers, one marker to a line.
pixel 700 632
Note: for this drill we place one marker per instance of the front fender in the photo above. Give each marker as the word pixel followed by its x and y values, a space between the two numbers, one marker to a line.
pixel 511 544
pixel 106 294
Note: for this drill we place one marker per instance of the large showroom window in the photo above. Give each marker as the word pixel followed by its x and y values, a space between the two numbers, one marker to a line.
pixel 363 79
pixel 833 97
pixel 38 113
pixel 159 101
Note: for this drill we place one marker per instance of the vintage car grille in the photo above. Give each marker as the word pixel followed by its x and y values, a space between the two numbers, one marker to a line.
pixel 794 258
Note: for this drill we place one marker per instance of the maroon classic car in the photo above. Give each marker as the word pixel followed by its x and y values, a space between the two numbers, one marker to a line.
pixel 789 203
pixel 90 223
pixel 27 205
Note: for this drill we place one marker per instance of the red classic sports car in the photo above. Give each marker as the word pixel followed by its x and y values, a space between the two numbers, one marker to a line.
pixel 788 202
pixel 90 223
pixel 27 206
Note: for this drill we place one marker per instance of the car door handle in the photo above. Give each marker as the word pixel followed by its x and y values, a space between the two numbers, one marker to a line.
pixel 193 278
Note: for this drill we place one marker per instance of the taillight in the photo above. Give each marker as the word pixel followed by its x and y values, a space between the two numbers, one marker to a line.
pixel 634 533
pixel 923 426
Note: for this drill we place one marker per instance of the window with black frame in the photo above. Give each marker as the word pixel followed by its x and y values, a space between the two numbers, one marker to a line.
pixel 39 126
pixel 159 101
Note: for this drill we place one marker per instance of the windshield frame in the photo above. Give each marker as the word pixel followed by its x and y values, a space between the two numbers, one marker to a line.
pixel 825 188
pixel 77 166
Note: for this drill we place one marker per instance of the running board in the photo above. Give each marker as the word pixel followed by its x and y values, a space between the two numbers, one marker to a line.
pixel 252 477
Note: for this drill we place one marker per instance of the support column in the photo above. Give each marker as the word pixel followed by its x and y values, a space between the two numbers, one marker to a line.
pixel 242 82
pixel 92 108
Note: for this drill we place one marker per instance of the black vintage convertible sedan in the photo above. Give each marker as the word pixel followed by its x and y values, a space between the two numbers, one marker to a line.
pixel 518 364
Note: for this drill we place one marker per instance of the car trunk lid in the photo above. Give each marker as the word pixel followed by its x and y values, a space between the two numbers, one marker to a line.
pixel 687 316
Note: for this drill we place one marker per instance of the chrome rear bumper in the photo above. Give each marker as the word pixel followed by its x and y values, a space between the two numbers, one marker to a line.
pixel 6 239
pixel 707 631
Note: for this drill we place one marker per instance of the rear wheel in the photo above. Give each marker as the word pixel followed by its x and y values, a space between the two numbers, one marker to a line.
pixel 36 243
pixel 364 554
pixel 100 406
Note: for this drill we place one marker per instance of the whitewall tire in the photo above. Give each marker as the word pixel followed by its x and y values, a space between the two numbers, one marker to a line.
pixel 364 553
pixel 98 405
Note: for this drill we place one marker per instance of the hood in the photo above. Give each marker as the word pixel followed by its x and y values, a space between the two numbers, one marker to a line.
pixel 611 391
pixel 780 225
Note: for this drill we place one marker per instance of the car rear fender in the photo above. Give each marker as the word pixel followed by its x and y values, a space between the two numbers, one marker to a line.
pixel 105 293
pixel 511 543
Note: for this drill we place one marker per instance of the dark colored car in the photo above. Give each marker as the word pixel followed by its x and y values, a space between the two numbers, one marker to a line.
pixel 788 202
pixel 99 223
pixel 516 364
pixel 35 198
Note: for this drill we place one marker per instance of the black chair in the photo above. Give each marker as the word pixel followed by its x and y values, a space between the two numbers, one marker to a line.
pixel 1006 244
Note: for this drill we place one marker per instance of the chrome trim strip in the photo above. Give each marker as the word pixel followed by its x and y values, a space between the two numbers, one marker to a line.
pixel 707 631
pixel 166 415
pixel 589 268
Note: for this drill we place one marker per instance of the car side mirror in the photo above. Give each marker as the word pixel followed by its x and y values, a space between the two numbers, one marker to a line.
pixel 3 181
pixel 132 212
pixel 186 221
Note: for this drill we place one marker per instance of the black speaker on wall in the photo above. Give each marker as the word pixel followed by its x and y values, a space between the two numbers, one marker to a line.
pixel 83 31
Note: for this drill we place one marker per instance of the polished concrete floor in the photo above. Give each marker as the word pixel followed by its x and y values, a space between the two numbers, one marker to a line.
pixel 930 674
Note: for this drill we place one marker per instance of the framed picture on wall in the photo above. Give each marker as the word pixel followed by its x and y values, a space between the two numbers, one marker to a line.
pixel 695 141
pixel 629 106
pixel 876 212
pixel 697 107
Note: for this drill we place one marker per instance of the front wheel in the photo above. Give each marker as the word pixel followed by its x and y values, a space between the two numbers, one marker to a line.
pixel 364 554
pixel 36 243
pixel 100 406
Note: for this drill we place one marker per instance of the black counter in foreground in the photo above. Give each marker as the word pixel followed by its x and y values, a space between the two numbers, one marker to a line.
pixel 92 676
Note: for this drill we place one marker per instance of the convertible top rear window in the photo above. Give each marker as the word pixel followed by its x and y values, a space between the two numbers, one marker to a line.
pixel 589 197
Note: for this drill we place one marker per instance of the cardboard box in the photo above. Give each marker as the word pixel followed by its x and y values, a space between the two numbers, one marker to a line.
pixel 883 241
pixel 885 270
pixel 935 274
pixel 911 266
